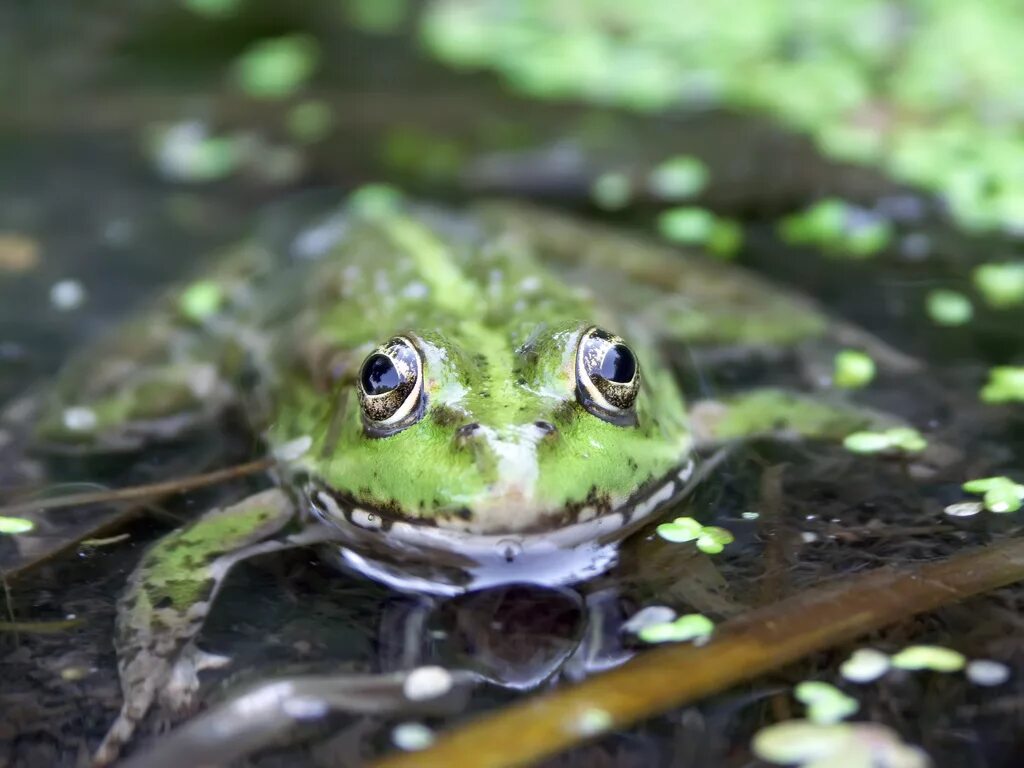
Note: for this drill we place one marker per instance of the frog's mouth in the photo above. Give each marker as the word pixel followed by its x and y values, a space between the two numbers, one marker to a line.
pixel 417 555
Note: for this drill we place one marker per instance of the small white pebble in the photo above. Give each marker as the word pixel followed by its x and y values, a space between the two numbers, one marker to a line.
pixel 865 665
pixel 427 683
pixel 293 450
pixel 645 617
pixel 67 295
pixel 80 419
pixel 808 537
pixel 750 515
pixel 964 509
pixel 987 672
pixel 412 736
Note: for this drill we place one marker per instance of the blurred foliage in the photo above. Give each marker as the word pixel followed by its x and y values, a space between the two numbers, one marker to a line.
pixel 928 90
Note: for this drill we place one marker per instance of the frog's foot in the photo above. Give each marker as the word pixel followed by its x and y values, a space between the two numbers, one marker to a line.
pixel 178 696
pixel 167 600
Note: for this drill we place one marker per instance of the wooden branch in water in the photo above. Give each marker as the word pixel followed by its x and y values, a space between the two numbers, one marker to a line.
pixel 136 492
pixel 743 648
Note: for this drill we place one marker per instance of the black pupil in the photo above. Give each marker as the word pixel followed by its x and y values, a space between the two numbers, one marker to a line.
pixel 379 375
pixel 618 365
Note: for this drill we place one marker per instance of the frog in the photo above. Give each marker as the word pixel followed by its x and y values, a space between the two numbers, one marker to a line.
pixel 451 399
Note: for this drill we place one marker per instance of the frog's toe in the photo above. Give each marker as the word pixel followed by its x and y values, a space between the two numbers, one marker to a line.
pixel 178 696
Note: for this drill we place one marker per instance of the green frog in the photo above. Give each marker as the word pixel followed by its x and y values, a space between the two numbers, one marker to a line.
pixel 454 400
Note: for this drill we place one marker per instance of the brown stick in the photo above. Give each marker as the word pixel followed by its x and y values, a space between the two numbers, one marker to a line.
pixel 139 491
pixel 743 648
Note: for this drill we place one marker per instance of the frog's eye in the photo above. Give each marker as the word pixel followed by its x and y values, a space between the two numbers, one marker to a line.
pixel 391 388
pixel 607 377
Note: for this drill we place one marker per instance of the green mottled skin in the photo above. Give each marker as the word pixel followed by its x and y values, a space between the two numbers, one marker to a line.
pixel 495 302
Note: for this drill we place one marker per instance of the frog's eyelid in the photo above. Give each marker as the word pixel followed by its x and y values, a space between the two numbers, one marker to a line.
pixel 609 400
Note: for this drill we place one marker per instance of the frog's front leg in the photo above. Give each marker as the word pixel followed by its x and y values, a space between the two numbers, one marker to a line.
pixel 168 598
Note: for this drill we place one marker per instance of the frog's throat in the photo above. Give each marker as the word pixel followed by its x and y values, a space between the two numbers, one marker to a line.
pixel 372 537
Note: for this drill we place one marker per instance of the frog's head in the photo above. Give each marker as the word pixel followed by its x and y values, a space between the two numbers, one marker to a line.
pixel 494 432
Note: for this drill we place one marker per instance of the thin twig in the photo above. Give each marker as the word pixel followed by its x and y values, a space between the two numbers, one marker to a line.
pixel 743 648
pixel 139 491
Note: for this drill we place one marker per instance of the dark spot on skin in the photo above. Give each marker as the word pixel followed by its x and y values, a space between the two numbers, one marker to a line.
pixel 485 393
pixel 566 411
pixel 521 381
pixel 466 430
pixel 364 491
pixel 444 416
pixel 631 462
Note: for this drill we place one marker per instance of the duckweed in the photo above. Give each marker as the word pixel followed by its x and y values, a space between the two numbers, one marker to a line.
pixel 933 657
pixel 949 308
pixel 14 525
pixel 692 626
pixel 825 703
pixel 1001 285
pixel 201 300
pixel 275 68
pixel 913 90
pixel 373 200
pixel 1005 384
pixel 839 229
pixel 710 539
pixel 853 369
pixel 1001 494
pixel 678 178
pixel 611 191
pixel 897 439
pixel 187 151
pixel 698 226
pixel 798 742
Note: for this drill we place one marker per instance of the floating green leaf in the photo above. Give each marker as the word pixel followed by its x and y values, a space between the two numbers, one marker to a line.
pixel 949 308
pixel 712 540
pixel 201 300
pixel 897 439
pixel 1001 494
pixel 1002 285
pixel 13 525
pixel 692 626
pixel 277 67
pixel 933 657
pixel 611 191
pixel 678 178
pixel 853 369
pixel 825 703
pixel 1005 384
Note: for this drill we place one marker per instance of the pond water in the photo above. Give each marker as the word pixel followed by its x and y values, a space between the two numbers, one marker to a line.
pixel 100 210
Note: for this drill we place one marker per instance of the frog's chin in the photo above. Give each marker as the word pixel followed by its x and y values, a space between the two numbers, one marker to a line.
pixel 414 556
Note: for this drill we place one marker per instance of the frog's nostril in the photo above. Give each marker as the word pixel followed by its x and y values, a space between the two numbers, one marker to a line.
pixel 546 427
pixel 466 431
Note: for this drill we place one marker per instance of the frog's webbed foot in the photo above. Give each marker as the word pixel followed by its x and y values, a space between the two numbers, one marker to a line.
pixel 167 600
